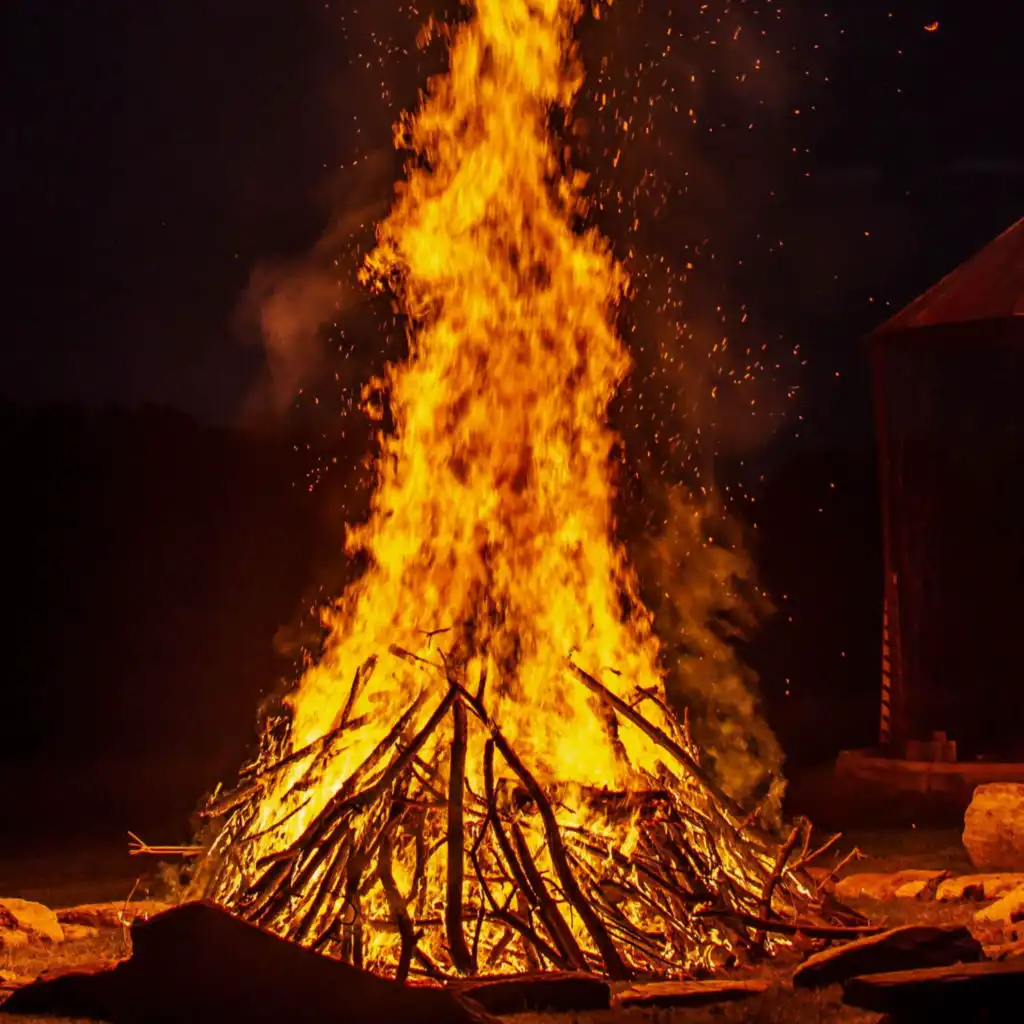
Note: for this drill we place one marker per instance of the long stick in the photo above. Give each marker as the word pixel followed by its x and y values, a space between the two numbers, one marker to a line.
pixel 359 681
pixel 794 927
pixel 397 905
pixel 462 959
pixel 773 879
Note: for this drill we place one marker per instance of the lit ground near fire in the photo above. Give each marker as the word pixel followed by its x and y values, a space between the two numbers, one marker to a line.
pixel 103 874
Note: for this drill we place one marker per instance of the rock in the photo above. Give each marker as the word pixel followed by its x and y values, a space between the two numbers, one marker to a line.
pixel 876 886
pixel 994 827
pixel 536 993
pixel 39 923
pixel 9 980
pixel 1005 911
pixel 197 963
pixel 688 993
pixel 11 938
pixel 111 915
pixel 961 992
pixel 921 889
pixel 1005 950
pixel 899 949
pixel 79 932
pixel 978 887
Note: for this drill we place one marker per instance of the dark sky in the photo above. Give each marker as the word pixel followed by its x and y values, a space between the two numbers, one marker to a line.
pixel 157 152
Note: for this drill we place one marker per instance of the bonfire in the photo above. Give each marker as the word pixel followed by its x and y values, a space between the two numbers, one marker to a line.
pixel 482 773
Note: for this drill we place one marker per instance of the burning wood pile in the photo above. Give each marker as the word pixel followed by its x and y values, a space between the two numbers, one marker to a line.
pixel 482 774
pixel 407 868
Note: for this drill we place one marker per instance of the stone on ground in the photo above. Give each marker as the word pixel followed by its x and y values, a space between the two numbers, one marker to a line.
pixel 899 949
pixel 36 922
pixel 1005 950
pixel 978 887
pixel 1008 910
pixel 994 827
pixel 955 993
pixel 886 886
pixel 688 993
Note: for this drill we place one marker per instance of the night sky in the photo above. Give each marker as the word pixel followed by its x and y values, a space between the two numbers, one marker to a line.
pixel 169 163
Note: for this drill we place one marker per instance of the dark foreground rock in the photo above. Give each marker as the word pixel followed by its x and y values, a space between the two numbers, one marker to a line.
pixel 197 963
pixel 963 992
pixel 536 993
pixel 688 993
pixel 899 949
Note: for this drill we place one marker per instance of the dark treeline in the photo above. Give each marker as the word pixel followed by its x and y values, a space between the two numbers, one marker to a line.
pixel 158 570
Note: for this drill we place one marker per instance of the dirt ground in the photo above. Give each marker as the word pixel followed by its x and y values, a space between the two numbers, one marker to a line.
pixel 107 873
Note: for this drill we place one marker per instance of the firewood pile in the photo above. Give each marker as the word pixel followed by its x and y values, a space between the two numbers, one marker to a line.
pixel 407 869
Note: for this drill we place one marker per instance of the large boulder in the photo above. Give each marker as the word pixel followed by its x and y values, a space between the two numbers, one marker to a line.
pixel 994 827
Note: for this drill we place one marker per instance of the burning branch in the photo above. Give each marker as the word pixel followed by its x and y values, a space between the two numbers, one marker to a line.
pixel 461 956
pixel 137 848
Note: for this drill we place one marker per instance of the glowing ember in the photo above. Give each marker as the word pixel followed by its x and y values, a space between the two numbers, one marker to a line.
pixel 481 774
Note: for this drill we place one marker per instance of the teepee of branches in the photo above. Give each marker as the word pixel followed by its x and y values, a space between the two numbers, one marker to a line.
pixel 482 773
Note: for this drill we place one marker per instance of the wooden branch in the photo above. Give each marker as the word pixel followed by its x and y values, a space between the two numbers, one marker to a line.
pixel 519 879
pixel 559 861
pixel 137 848
pixel 266 891
pixel 392 772
pixel 773 879
pixel 833 875
pixel 462 959
pixel 546 906
pixel 253 836
pixel 312 835
pixel 659 737
pixel 359 681
pixel 793 927
pixel 326 891
pixel 398 908
pixel 532 941
pixel 815 854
